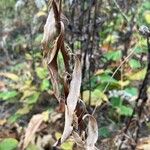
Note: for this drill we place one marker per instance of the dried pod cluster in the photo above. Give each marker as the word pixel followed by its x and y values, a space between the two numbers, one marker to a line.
pixel 75 110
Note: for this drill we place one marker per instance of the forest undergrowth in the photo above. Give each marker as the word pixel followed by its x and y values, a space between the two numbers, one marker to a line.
pixel 74 75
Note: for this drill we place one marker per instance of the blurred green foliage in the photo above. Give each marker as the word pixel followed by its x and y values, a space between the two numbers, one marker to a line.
pixel 8 144
pixel 27 78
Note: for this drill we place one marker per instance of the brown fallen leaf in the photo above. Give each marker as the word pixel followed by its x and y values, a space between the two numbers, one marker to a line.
pixel 32 128
pixel 2 86
pixel 9 75
pixel 143 144
pixel 2 122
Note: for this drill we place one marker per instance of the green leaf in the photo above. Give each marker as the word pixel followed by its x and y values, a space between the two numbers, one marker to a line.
pixel 132 90
pixel 121 109
pixel 96 96
pixel 146 5
pixel 104 79
pixel 111 38
pixel 33 98
pixel 107 78
pixel 134 64
pixel 147 16
pixel 38 55
pixel 104 132
pixel 41 13
pixel 67 145
pixel 8 144
pixel 113 55
pixel 38 38
pixel 10 75
pixel 18 67
pixel 41 72
pixel 26 109
pixel 28 56
pixel 123 83
pixel 138 50
pixel 77 44
pixel 138 75
pixel 8 94
pixel 124 110
pixel 32 147
pixel 13 118
pixel 45 85
pixel 116 101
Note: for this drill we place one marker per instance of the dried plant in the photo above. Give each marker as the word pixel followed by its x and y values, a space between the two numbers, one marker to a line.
pixel 69 98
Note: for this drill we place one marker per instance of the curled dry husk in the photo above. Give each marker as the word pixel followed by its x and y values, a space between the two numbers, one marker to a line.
pixel 73 96
pixel 74 107
pixel 70 107
pixel 92 135
pixel 53 41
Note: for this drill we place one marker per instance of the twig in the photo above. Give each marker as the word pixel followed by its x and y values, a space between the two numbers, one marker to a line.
pixel 125 60
pixel 142 93
pixel 122 13
pixel 144 88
